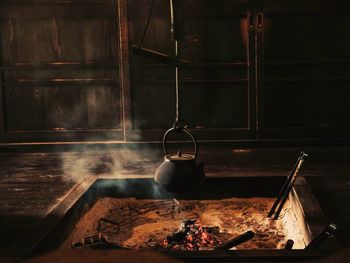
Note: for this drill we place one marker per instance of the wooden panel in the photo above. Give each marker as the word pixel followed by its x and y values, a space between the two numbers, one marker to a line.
pixel 339 35
pixel 152 86
pixel 158 35
pixel 60 40
pixel 215 84
pixel 68 107
pixel 103 108
pixel 70 78
pixel 296 37
pixel 65 107
pixel 34 9
pixel 307 104
pixel 216 39
pixel 97 37
pixel 153 106
pixel 24 109
pixel 306 36
pixel 81 107
pixel 27 35
pixel 310 6
pixel 216 71
pixel 228 110
pixel 296 6
pixel 306 91
pixel 218 8
pixel 310 69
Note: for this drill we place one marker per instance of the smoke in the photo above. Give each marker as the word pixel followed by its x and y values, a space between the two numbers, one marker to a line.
pixel 109 162
pixel 120 165
pixel 108 159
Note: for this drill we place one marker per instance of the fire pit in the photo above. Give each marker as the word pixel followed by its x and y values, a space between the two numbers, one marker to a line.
pixel 186 224
pixel 137 214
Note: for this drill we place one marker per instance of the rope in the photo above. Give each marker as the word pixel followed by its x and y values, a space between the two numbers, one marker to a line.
pixel 177 83
pixel 147 22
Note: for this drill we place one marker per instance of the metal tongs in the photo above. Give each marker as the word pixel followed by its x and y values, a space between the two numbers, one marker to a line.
pixel 92 241
pixel 329 230
pixel 283 195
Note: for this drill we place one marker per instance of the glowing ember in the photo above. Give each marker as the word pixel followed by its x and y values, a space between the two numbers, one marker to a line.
pixel 193 236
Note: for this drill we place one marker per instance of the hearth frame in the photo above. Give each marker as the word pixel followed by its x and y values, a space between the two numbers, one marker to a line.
pixel 306 208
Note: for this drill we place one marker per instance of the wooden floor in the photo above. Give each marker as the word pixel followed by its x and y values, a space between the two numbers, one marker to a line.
pixel 32 184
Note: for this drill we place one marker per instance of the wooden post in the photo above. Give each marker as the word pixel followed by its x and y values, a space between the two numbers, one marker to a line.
pixel 124 67
pixel 259 65
pixel 252 123
pixel 2 104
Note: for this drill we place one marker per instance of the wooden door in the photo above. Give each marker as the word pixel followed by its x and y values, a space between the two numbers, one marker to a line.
pixel 59 69
pixel 218 85
pixel 304 89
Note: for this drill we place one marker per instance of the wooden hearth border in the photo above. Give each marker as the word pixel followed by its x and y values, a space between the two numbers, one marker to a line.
pixel 307 210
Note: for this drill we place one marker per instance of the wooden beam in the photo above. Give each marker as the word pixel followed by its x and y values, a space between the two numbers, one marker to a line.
pixel 54 216
pixel 124 67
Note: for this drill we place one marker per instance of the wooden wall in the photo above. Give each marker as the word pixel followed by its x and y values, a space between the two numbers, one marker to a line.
pixel 305 88
pixel 258 70
pixel 216 89
pixel 59 63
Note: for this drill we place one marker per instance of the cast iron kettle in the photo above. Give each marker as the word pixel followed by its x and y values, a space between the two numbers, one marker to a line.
pixel 179 172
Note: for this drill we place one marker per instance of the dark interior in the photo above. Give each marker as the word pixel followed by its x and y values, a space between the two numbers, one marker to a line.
pixel 257 70
pixel 259 82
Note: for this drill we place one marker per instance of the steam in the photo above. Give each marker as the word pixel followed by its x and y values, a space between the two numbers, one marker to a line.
pixel 113 162
pixel 108 160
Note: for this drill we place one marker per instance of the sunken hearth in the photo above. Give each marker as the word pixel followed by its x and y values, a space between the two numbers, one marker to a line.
pixel 137 214
pixel 135 223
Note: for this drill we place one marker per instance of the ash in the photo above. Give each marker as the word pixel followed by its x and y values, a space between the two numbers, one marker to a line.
pixel 140 223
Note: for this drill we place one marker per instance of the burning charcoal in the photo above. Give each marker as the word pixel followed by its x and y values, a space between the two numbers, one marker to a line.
pixel 193 236
pixel 212 229
pixel 187 224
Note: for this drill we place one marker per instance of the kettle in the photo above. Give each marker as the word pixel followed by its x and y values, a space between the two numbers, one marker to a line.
pixel 179 172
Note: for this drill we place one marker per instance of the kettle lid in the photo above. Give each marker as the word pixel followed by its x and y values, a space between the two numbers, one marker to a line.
pixel 180 156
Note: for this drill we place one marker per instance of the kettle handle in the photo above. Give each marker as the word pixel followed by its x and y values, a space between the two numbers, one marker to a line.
pixel 178 130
